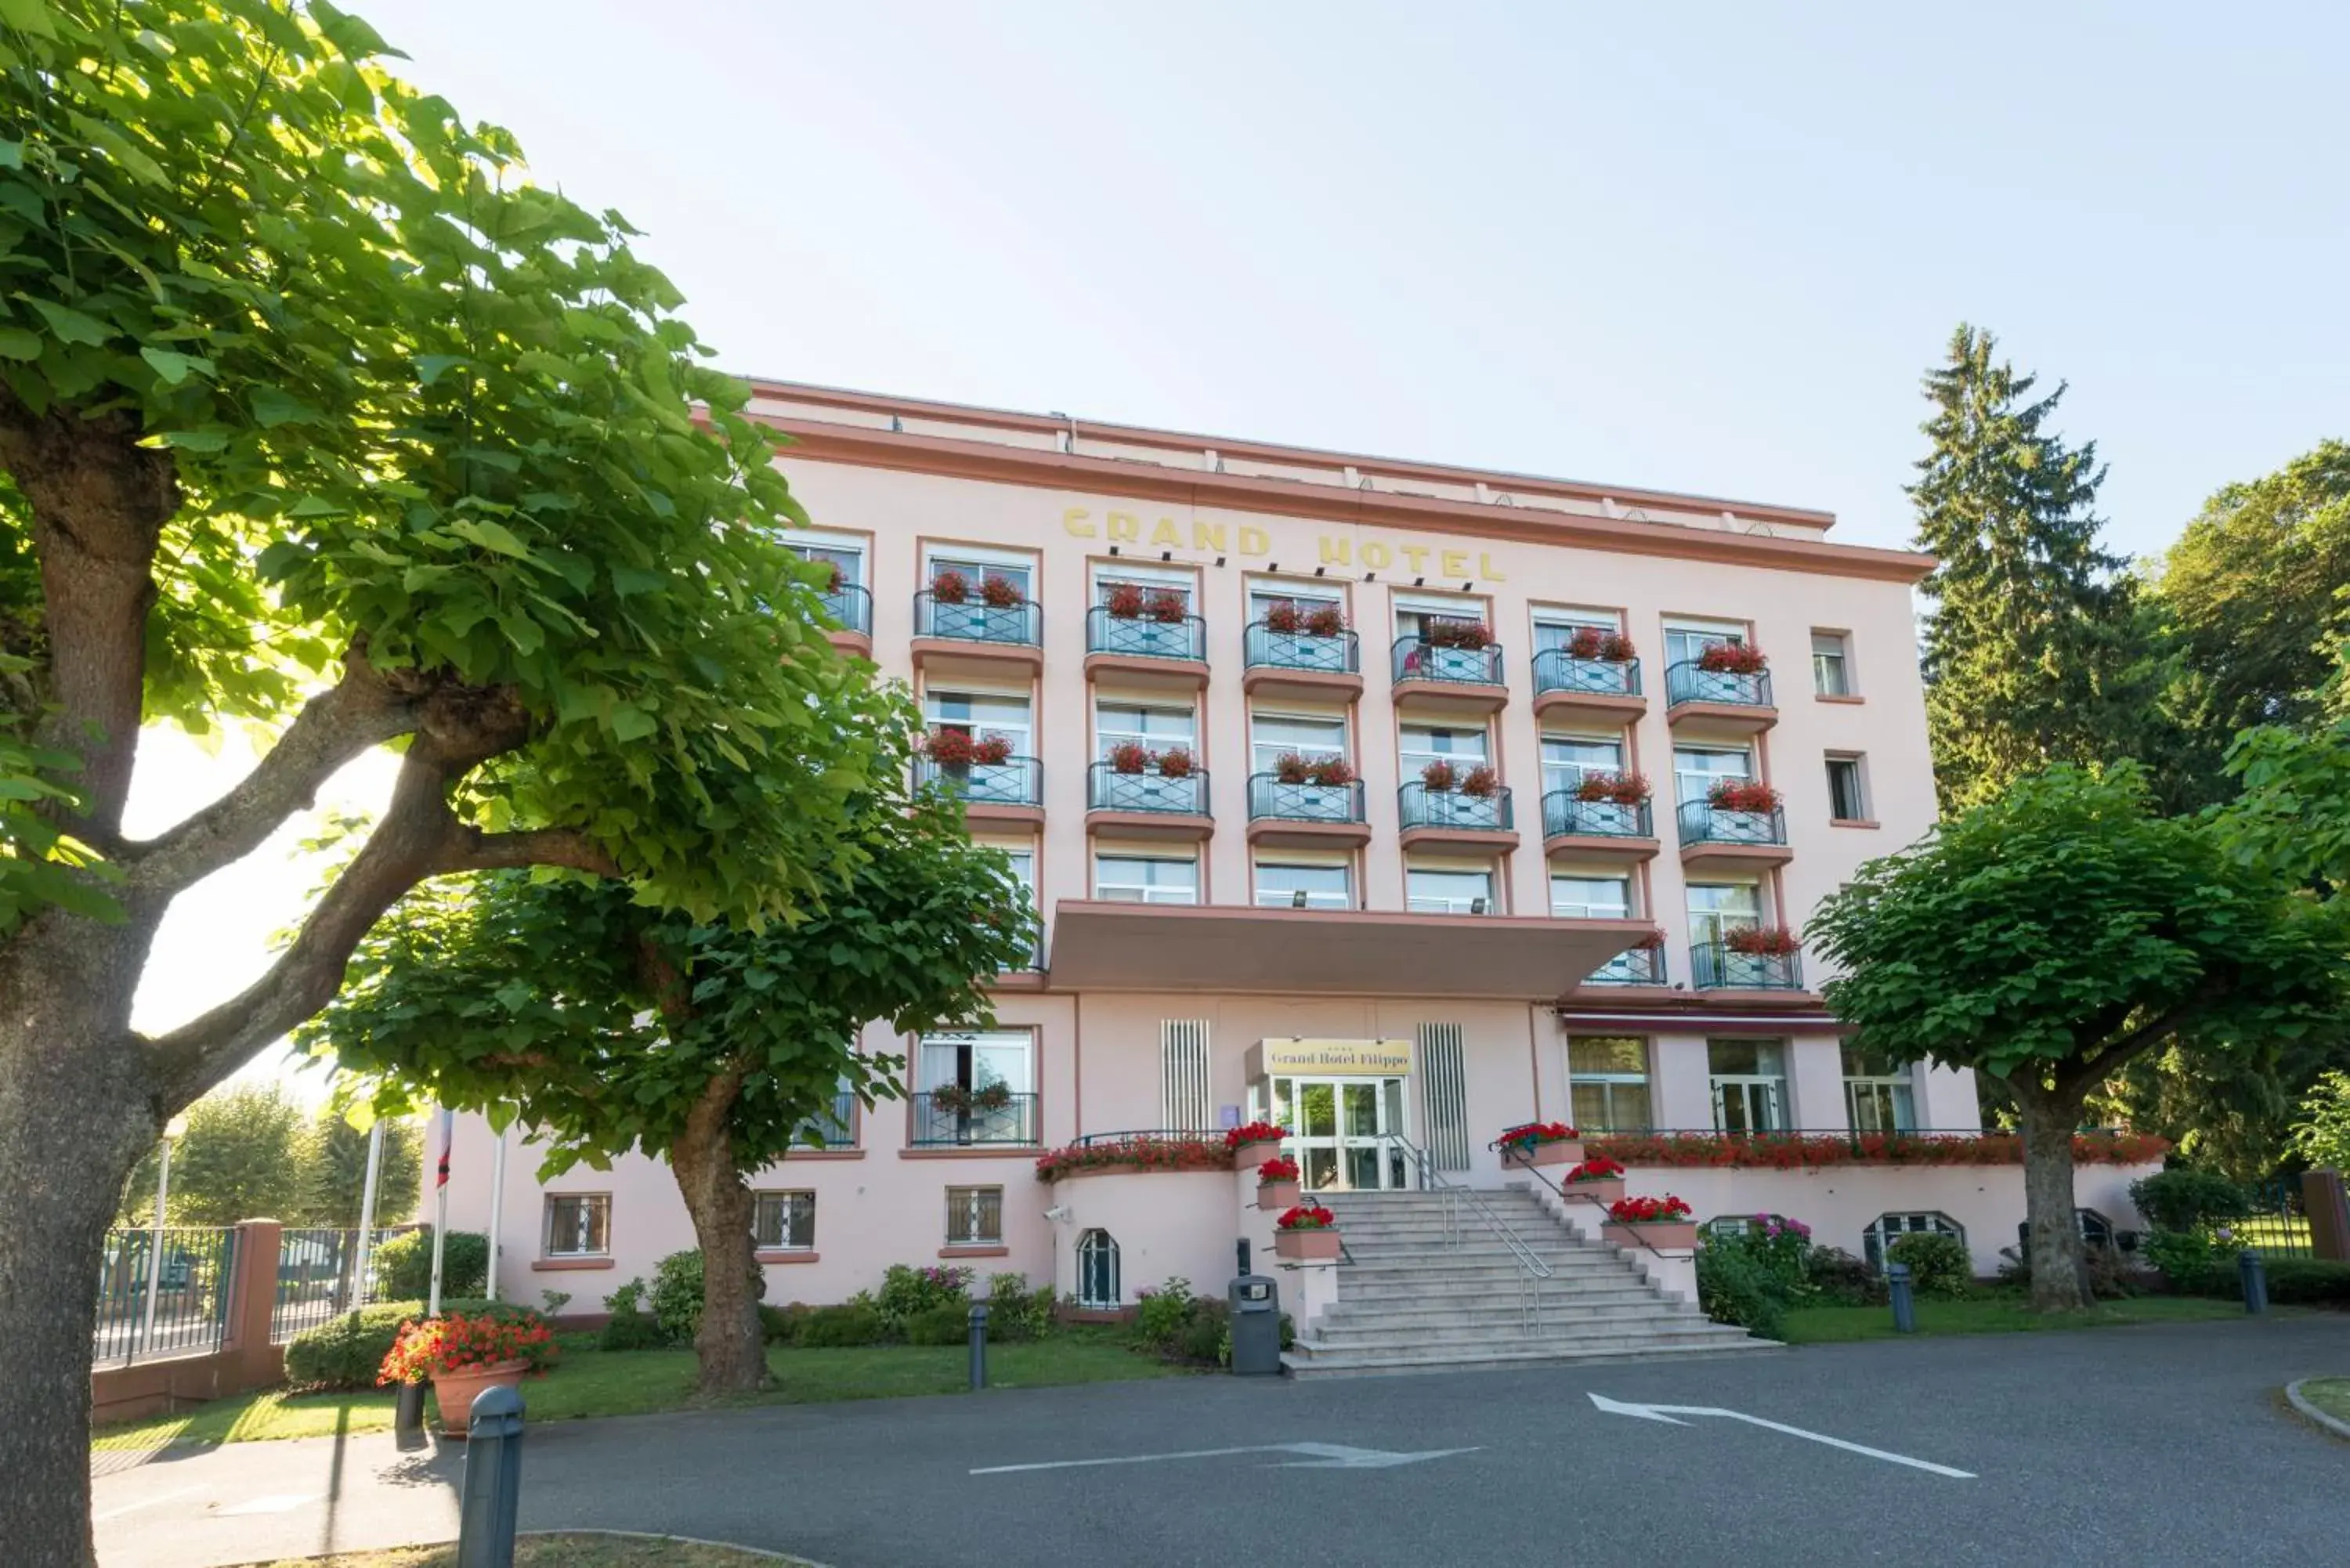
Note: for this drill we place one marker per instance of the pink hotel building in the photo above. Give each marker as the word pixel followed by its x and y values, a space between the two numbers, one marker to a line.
pixel 1378 905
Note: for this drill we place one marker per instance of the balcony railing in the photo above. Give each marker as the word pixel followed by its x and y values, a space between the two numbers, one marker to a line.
pixel 1421 806
pixel 957 1121
pixel 1106 789
pixel 1555 670
pixel 1337 654
pixel 1634 966
pixel 1704 823
pixel 1714 967
pixel 1417 658
pixel 1144 638
pixel 1269 796
pixel 1685 682
pixel 1564 813
pixel 1015 781
pixel 1020 624
pixel 852 607
pixel 835 1126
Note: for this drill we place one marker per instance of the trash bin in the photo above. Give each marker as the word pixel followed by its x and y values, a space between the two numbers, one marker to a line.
pixel 1256 1326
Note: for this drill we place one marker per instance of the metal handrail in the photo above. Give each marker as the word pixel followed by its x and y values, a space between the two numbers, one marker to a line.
pixel 1530 1267
pixel 1563 1195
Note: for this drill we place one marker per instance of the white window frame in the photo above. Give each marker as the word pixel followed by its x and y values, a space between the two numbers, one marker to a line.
pixel 1555 625
pixel 1686 638
pixel 976 1058
pixel 1095 1243
pixel 1020 731
pixel 1832 666
pixel 1463 899
pixel 1308 594
pixel 589 1203
pixel 1413 612
pixel 1894 1093
pixel 1259 865
pixel 1587 908
pixel 1262 752
pixel 1418 744
pixel 1762 1094
pixel 1696 784
pixel 1713 922
pixel 1144 890
pixel 855 546
pixel 1611 1082
pixel 1106 737
pixel 789 1203
pixel 1563 773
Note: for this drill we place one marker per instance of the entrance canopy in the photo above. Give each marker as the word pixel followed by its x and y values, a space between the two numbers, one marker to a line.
pixel 1329 952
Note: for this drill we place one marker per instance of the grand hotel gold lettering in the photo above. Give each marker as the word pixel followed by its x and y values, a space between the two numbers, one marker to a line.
pixel 1246 539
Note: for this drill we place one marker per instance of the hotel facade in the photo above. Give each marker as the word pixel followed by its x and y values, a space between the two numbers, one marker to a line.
pixel 1396 802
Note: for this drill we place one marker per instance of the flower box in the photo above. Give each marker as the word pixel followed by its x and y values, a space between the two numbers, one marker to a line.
pixel 1607 1189
pixel 1731 659
pixel 1276 1195
pixel 1664 1235
pixel 1255 1143
pixel 1541 1143
pixel 1306 1234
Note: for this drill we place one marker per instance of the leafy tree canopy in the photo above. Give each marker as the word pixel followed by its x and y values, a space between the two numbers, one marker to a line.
pixel 240 1158
pixel 2322 1137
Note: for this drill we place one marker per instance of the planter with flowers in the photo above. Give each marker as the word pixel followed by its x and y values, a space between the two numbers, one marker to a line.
pixel 1596 1176
pixel 461 1356
pixel 1254 1143
pixel 1731 659
pixel 1168 607
pixel 1437 777
pixel 1540 1143
pixel 1276 1184
pixel 1177 762
pixel 1129 757
pixel 949 586
pixel 1306 1234
pixel 1472 635
pixel 1285 617
pixel 1481 782
pixel 1124 600
pixel 1613 789
pixel 1326 620
pixel 999 592
pixel 1762 942
pixel 1743 794
pixel 1592 642
pixel 1659 1222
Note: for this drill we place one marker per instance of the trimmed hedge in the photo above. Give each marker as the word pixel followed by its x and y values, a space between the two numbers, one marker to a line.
pixel 938 1326
pixel 348 1353
pixel 2293 1281
pixel 406 1262
pixel 839 1326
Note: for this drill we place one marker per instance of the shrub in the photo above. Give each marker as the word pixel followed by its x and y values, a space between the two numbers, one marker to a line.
pixel 840 1326
pixel 1840 1277
pixel 348 1351
pixel 677 1296
pixel 781 1324
pixel 405 1265
pixel 1207 1334
pixel 1938 1265
pixel 2308 1281
pixel 907 1292
pixel 1015 1312
pixel 1779 1248
pixel 938 1326
pixel 1734 1287
pixel 2184 1200
pixel 2185 1258
pixel 632 1331
pixel 1160 1318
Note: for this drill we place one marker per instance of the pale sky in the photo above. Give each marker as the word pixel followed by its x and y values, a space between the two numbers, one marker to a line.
pixel 1704 246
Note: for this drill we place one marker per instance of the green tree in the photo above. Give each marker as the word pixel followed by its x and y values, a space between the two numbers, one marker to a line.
pixel 606 1027
pixel 2322 1136
pixel 2050 937
pixel 318 415
pixel 2033 652
pixel 239 1158
pixel 334 1157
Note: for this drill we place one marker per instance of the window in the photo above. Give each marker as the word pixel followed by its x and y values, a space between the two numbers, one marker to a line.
pixel 974 1216
pixel 1718 909
pixel 1697 769
pixel 1554 628
pixel 1831 669
pixel 1146 879
pixel 1417 745
pixel 1685 639
pixel 978 566
pixel 835 1126
pixel 1608 1079
pixel 1289 885
pixel 1108 578
pixel 1153 728
pixel 1434 892
pixel 1750 1085
pixel 1023 871
pixel 579 1224
pixel 1886 1229
pixel 1275 735
pixel 1567 758
pixel 845 557
pixel 1581 897
pixel 1264 597
pixel 979 713
pixel 1880 1095
pixel 1097 1271
pixel 978 1061
pixel 1848 802
pixel 1412 617
pixel 782 1222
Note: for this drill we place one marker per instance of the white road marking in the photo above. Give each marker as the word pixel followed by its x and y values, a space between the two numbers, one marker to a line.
pixel 1670 1415
pixel 143 1502
pixel 1318 1456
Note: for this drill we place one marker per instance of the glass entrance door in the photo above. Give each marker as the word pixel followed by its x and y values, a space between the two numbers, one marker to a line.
pixel 1338 1130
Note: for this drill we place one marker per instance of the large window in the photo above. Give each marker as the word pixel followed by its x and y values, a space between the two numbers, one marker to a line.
pixel 845 556
pixel 1284 884
pixel 1750 1085
pixel 1417 745
pixel 1153 728
pixel 1448 892
pixel 1581 897
pixel 1607 1078
pixel 1831 664
pixel 1412 617
pixel 1146 879
pixel 1697 769
pixel 1265 597
pixel 1023 871
pixel 1566 759
pixel 1848 797
pixel 979 1061
pixel 1554 628
pixel 1098 1284
pixel 1718 909
pixel 1686 639
pixel 981 713
pixel 977 566
pixel 782 1222
pixel 1880 1095
pixel 1275 735
pixel 974 1216
pixel 579 1225
pixel 1107 580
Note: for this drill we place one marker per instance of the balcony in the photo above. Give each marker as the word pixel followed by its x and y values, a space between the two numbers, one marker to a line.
pixel 1593 690
pixel 956 1117
pixel 1634 966
pixel 1148 805
pixel 1597 829
pixel 832 1128
pixel 1720 837
pixel 975 636
pixel 1300 664
pixel 1311 815
pixel 852 607
pixel 1720 700
pixel 1455 819
pixel 1443 676
pixel 1010 791
pixel 1714 967
pixel 1148 651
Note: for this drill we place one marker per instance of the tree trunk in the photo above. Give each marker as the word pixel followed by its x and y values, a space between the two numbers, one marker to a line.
pixel 77 1112
pixel 2059 1269
pixel 730 1346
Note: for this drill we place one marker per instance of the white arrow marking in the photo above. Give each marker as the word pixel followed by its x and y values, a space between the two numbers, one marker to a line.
pixel 1670 1414
pixel 1319 1457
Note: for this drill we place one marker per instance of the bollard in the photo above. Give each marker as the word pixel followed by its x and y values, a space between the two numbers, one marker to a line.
pixel 1241 1247
pixel 979 1345
pixel 1905 1305
pixel 2254 1275
pixel 493 1485
pixel 407 1414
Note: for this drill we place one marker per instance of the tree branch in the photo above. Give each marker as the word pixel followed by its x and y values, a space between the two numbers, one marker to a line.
pixel 2119 1053
pixel 477 851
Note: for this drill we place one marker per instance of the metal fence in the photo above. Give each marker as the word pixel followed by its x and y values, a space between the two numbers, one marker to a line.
pixel 2278 1225
pixel 317 1278
pixel 163 1292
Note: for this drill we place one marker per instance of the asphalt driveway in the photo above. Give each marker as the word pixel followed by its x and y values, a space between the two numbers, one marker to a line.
pixel 2147 1446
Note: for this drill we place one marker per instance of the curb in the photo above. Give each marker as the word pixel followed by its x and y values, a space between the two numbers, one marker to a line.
pixel 682 1541
pixel 2294 1397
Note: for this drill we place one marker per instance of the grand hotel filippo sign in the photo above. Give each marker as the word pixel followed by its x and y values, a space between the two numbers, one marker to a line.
pixel 1329 1059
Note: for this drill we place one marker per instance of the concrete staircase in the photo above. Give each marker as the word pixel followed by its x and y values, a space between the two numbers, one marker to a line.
pixel 1410 1302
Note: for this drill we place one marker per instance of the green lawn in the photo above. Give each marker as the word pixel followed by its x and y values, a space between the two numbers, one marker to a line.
pixel 1994 1314
pixel 632 1383
pixel 2331 1395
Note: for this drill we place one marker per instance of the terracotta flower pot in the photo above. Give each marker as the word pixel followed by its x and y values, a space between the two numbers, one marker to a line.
pixel 1665 1235
pixel 454 1392
pixel 1564 1151
pixel 1307 1246
pixel 1276 1195
pixel 1249 1156
pixel 1606 1189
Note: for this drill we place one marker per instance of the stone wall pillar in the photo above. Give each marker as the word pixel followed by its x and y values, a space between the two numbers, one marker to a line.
pixel 2329 1214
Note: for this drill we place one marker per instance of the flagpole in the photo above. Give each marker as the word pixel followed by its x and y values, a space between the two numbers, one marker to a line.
pixel 441 1208
pixel 366 1216
pixel 497 1207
